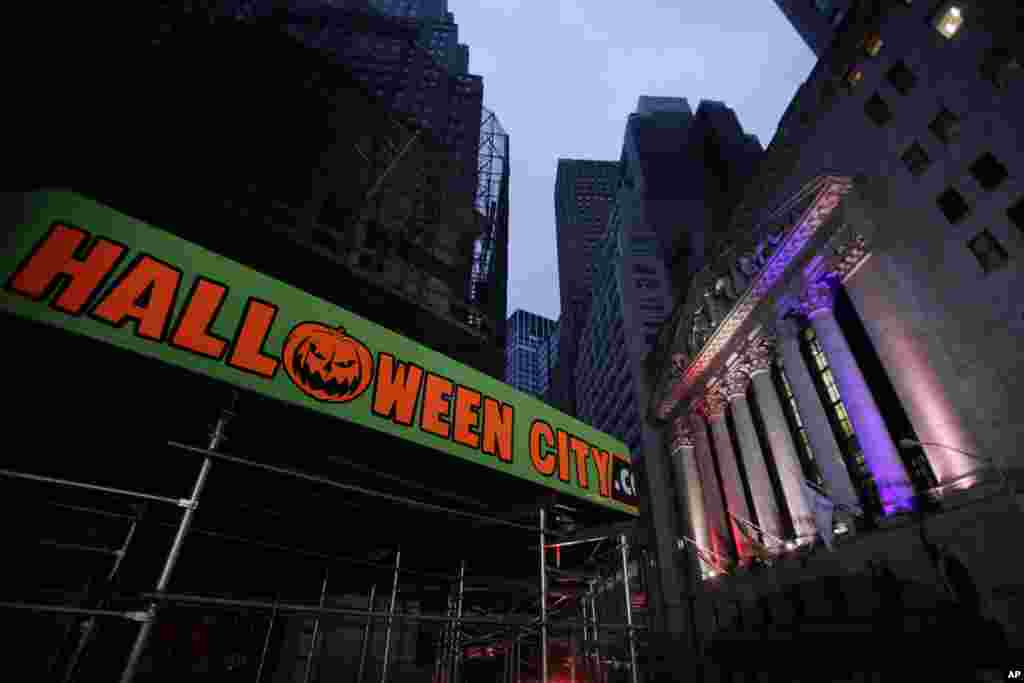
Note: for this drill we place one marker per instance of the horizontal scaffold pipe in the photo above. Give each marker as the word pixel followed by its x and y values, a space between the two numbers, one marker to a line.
pixel 351 487
pixel 63 609
pixel 92 487
pixel 182 599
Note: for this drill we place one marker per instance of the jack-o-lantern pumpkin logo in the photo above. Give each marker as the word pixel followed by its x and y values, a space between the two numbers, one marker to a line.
pixel 326 363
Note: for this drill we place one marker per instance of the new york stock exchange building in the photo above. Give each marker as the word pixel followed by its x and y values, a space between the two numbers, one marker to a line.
pixel 832 486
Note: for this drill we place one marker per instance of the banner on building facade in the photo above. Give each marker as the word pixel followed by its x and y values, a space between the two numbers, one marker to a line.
pixel 75 264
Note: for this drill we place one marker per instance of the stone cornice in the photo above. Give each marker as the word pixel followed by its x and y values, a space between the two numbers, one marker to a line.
pixel 792 242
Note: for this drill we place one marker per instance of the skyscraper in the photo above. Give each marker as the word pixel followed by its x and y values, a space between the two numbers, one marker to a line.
pixel 527 351
pixel 439 32
pixel 815 20
pixel 584 190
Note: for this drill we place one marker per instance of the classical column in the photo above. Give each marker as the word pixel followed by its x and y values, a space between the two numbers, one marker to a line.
pixel 719 538
pixel 689 491
pixel 880 454
pixel 728 466
pixel 768 517
pixel 780 441
pixel 812 413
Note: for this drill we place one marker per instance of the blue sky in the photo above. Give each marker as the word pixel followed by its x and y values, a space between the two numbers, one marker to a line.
pixel 563 75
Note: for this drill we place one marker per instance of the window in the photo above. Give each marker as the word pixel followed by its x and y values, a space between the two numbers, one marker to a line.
pixel 953 205
pixel 999 67
pixel 916 159
pixel 872 44
pixel 840 421
pixel 990 254
pixel 877 110
pixel 901 77
pixel 945 126
pixel 948 20
pixel 853 77
pixel 988 171
pixel 1016 214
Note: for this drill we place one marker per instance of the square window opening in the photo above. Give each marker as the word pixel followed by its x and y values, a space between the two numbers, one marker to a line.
pixel 1016 214
pixel 916 159
pixel 877 110
pixel 990 254
pixel 901 78
pixel 953 205
pixel 945 126
pixel 988 171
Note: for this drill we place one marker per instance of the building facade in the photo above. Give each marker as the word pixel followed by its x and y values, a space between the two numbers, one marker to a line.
pixel 842 373
pixel 816 21
pixel 584 192
pixel 527 354
pixel 439 32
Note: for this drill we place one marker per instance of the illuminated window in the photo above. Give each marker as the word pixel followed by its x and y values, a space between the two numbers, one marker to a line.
pixel 872 44
pixel 853 77
pixel 796 425
pixel 990 254
pixel 949 19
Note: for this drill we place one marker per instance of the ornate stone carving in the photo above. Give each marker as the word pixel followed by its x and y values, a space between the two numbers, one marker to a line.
pixel 817 297
pixel 735 384
pixel 679 363
pixel 816 203
pixel 713 405
pixel 759 356
pixel 682 433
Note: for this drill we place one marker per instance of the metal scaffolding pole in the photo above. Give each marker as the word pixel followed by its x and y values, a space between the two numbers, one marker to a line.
pixel 543 604
pixel 391 614
pixel 311 655
pixel 130 667
pixel 89 627
pixel 266 645
pixel 185 599
pixel 441 673
pixel 364 648
pixel 592 598
pixel 519 654
pixel 457 625
pixel 629 607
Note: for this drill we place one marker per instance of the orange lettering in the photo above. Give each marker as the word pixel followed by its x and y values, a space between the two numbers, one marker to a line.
pixel 396 389
pixel 603 460
pixel 202 306
pixel 247 350
pixel 145 294
pixel 541 437
pixel 497 429
pixel 563 455
pixel 437 393
pixel 467 416
pixel 53 263
pixel 580 448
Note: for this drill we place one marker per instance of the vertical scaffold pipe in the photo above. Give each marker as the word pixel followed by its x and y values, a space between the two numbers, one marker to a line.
pixel 391 612
pixel 130 667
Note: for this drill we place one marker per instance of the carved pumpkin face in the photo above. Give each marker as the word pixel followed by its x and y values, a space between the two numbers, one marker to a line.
pixel 327 364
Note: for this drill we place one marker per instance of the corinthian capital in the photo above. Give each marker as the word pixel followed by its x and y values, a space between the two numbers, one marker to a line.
pixel 759 355
pixel 735 384
pixel 682 433
pixel 713 405
pixel 817 298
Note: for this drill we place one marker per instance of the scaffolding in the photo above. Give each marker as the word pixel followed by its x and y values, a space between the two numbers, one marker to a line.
pixel 566 607
pixel 491 195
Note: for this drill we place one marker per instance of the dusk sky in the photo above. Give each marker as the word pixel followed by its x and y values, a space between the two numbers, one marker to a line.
pixel 563 76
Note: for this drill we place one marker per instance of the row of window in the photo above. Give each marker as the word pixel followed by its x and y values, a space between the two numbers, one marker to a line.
pixel 987 169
